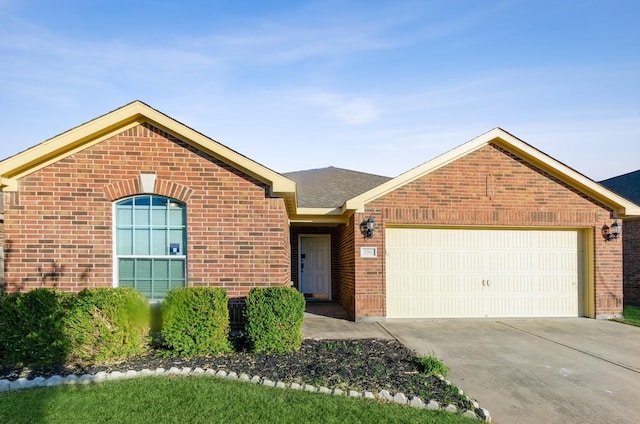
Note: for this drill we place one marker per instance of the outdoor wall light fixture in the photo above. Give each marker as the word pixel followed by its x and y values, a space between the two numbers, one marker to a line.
pixel 613 232
pixel 367 226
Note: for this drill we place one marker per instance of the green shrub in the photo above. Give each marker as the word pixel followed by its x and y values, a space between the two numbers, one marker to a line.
pixel 3 347
pixel 108 324
pixel 431 365
pixel 195 321
pixel 274 319
pixel 32 329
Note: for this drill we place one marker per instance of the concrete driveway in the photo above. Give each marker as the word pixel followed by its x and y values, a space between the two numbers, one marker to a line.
pixel 574 370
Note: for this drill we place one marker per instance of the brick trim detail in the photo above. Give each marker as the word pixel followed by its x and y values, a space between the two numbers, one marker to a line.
pixel 132 187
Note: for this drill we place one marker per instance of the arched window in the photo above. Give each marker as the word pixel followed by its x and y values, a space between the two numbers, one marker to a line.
pixel 151 250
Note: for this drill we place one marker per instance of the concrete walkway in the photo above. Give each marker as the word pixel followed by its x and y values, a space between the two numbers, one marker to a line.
pixel 573 370
pixel 327 320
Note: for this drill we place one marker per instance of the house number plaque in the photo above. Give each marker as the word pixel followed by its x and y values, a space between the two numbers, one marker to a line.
pixel 368 252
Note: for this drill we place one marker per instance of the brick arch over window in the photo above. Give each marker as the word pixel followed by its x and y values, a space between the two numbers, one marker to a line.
pixel 132 187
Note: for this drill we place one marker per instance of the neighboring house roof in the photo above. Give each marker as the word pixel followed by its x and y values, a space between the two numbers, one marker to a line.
pixel 626 185
pixel 126 117
pixel 499 137
pixel 331 187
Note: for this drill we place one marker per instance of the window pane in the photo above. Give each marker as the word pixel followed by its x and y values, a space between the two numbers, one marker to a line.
pixel 161 269
pixel 141 240
pixel 144 276
pixel 127 283
pixel 125 216
pixel 125 241
pixel 126 202
pixel 176 216
pixel 159 245
pixel 159 201
pixel 126 269
pixel 143 269
pixel 158 216
pixel 143 200
pixel 176 283
pixel 177 270
pixel 141 216
pixel 177 236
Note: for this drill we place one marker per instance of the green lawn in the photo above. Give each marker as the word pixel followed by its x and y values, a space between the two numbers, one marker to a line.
pixel 632 315
pixel 199 400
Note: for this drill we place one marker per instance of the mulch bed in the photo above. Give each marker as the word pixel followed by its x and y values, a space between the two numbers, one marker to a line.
pixel 367 364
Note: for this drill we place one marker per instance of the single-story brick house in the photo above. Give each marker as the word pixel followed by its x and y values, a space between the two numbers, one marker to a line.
pixel 628 186
pixel 134 198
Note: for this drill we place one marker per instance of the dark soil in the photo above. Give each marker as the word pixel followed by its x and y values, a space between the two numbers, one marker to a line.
pixel 368 364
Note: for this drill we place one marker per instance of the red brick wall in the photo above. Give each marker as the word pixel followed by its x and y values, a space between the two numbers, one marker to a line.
pixel 370 288
pixel 58 226
pixel 346 275
pixel 487 187
pixel 631 260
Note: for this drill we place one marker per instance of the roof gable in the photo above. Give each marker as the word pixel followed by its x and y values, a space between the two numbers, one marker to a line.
pixel 528 153
pixel 129 116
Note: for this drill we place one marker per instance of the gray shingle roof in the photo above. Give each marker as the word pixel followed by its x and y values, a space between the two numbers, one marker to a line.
pixel 331 187
pixel 627 185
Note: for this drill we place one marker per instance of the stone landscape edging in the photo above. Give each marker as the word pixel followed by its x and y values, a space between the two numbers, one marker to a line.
pixel 384 395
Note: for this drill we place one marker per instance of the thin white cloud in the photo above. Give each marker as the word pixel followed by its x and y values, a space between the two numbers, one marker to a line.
pixel 353 111
pixel 279 39
pixel 319 30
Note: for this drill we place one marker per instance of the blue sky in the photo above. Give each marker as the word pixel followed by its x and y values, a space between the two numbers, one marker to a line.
pixel 375 86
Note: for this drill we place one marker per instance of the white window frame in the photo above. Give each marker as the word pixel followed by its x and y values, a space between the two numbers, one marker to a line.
pixel 114 244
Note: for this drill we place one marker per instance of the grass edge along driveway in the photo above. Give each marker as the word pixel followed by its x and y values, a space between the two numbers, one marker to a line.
pixel 200 400
pixel 632 315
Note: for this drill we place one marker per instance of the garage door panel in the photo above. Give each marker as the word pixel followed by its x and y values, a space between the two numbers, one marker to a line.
pixel 509 261
pixel 411 261
pixel 476 273
pixel 559 262
pixel 508 306
pixel 414 285
pixel 450 284
pixel 466 307
pixel 449 261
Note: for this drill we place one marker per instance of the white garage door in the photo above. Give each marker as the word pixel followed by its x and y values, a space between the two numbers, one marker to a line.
pixel 442 273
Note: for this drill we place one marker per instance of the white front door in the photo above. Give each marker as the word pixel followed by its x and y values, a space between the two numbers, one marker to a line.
pixel 314 265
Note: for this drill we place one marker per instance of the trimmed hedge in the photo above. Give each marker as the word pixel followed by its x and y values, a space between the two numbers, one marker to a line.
pixel 32 327
pixel 274 318
pixel 195 321
pixel 108 324
pixel 49 327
